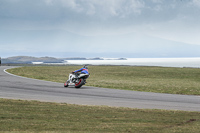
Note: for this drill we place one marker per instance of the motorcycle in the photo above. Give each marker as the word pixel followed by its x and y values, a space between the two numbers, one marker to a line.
pixel 76 79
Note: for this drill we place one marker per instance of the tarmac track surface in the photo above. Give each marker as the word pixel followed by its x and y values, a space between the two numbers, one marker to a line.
pixel 15 87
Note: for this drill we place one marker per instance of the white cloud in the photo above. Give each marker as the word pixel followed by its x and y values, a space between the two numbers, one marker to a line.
pixel 91 10
pixel 136 6
pixel 196 2
pixel 49 2
pixel 157 1
pixel 101 7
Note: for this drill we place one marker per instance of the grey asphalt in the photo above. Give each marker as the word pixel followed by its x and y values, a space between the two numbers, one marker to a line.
pixel 14 87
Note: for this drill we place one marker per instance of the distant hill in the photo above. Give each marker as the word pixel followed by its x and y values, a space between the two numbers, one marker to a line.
pixel 29 59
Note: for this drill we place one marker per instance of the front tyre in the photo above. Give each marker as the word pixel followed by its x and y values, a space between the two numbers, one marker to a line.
pixel 79 84
pixel 66 84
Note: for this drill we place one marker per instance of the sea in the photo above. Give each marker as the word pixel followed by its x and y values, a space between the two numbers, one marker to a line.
pixel 163 62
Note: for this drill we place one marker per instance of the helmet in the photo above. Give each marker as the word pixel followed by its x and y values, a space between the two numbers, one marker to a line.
pixel 85 67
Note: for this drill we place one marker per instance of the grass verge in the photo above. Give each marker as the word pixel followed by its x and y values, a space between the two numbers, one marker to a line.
pixel 32 116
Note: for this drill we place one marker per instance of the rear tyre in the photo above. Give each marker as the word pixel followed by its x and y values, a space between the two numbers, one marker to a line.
pixel 79 84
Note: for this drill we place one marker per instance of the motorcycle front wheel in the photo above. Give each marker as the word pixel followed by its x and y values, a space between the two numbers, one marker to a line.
pixel 79 84
pixel 66 84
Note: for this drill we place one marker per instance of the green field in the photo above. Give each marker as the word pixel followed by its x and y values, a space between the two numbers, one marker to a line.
pixel 149 79
pixel 33 116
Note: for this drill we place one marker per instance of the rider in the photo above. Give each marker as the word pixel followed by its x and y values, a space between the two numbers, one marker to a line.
pixel 82 70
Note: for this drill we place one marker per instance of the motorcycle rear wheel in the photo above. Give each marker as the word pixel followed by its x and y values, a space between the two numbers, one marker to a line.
pixel 79 84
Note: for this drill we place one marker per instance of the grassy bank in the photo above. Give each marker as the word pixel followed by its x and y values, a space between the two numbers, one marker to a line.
pixel 149 79
pixel 32 116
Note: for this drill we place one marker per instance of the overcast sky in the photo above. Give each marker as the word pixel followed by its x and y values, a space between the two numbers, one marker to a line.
pixel 100 28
